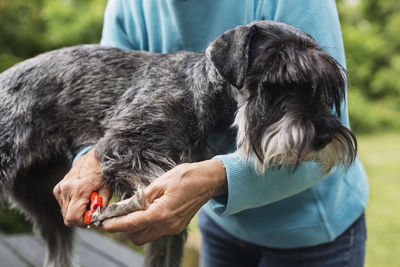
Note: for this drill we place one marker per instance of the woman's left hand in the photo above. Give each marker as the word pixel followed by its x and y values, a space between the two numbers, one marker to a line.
pixel 174 199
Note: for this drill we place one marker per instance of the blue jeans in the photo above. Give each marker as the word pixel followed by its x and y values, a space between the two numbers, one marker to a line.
pixel 220 249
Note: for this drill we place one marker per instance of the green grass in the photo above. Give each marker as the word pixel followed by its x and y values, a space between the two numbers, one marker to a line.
pixel 381 157
pixel 12 222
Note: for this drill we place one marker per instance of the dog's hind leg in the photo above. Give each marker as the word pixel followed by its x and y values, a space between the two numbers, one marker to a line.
pixel 32 194
pixel 166 251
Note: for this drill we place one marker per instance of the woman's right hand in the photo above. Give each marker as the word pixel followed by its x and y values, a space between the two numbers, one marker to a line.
pixel 74 190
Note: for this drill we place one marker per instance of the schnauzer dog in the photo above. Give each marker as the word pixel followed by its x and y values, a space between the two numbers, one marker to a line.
pixel 145 113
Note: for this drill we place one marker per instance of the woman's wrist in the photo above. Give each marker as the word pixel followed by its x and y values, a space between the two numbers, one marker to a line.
pixel 216 175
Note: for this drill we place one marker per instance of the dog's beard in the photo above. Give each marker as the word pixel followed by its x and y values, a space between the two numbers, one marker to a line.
pixel 341 150
pixel 289 141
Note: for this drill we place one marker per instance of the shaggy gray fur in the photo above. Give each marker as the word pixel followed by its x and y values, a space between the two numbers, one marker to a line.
pixel 145 113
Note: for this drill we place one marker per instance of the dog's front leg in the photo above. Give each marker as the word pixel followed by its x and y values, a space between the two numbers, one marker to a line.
pixel 131 173
pixel 129 163
pixel 126 165
pixel 124 207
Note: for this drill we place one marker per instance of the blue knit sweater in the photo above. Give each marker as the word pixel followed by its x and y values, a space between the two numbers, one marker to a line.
pixel 279 208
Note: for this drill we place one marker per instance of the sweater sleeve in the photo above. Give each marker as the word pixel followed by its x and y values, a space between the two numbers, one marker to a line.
pixel 246 188
pixel 115 32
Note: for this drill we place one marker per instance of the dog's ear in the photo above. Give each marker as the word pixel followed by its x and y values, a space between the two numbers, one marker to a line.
pixel 230 54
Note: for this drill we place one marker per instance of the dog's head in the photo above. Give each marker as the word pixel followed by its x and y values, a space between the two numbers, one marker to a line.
pixel 289 93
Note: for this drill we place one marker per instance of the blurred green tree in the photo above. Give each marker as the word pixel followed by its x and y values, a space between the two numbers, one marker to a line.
pixel 30 27
pixel 370 30
pixel 370 33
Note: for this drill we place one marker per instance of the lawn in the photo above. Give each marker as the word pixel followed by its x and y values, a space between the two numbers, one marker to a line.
pixel 381 157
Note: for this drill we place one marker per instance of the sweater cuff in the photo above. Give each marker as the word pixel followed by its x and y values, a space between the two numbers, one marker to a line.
pixel 238 187
pixel 81 153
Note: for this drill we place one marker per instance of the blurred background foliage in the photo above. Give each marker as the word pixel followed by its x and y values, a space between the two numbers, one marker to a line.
pixel 372 41
pixel 30 27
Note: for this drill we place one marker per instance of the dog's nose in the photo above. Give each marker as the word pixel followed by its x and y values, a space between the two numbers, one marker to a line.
pixel 321 140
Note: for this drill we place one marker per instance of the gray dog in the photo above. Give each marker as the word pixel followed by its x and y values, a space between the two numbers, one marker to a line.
pixel 145 113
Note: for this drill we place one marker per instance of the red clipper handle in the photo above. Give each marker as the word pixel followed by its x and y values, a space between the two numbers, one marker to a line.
pixel 95 201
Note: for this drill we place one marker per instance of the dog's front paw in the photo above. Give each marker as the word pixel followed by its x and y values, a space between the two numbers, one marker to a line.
pixel 135 203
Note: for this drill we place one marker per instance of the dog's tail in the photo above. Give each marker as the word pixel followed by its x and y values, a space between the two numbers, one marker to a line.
pixel 166 251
